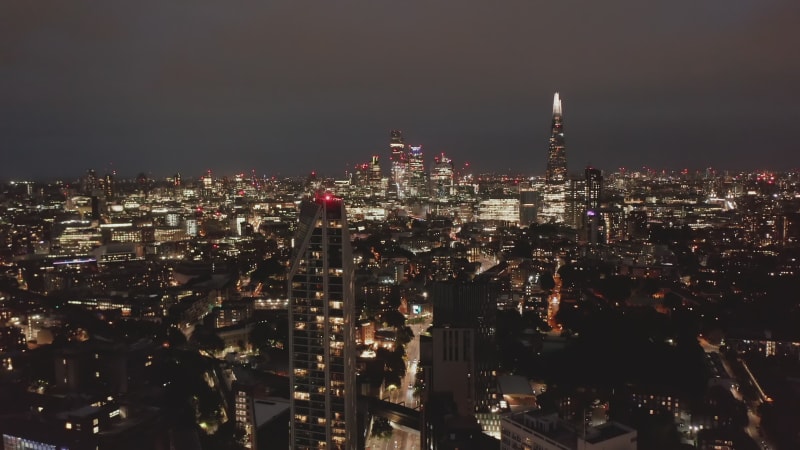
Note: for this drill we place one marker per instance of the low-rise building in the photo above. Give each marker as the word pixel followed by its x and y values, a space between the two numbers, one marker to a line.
pixel 534 430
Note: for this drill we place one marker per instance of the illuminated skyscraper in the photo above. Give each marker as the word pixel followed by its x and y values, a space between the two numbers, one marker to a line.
pixel 595 218
pixel 109 188
pixel 366 179
pixel 399 160
pixel 529 201
pixel 554 207
pixel 375 171
pixel 556 156
pixel 594 188
pixel 321 314
pixel 417 182
pixel 90 182
pixel 574 201
pixel 442 173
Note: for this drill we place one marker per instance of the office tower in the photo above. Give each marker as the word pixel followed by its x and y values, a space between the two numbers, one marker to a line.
pixel 90 182
pixel 529 200
pixel 417 182
pixel 442 177
pixel 375 172
pixel 593 188
pixel 556 156
pixel 360 175
pixel 499 210
pixel 575 202
pixel 95 207
pixel 464 348
pixel 108 186
pixel 594 220
pixel 554 207
pixel 399 161
pixel 207 184
pixel 321 317
pixel 366 178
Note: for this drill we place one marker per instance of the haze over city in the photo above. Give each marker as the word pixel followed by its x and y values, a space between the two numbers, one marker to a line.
pixel 399 225
pixel 272 86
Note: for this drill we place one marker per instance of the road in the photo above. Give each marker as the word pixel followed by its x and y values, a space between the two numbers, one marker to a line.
pixel 753 428
pixel 553 303
pixel 412 355
pixel 404 394
pixel 404 438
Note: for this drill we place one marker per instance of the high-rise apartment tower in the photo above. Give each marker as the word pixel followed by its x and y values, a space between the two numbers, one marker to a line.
pixel 594 187
pixel 321 315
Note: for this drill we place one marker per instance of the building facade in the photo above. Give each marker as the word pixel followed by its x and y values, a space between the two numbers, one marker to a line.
pixel 321 315
pixel 464 348
pixel 533 430
pixel 554 209
pixel 556 156
pixel 417 179
pixel 399 159
pixel 442 176
pixel 529 201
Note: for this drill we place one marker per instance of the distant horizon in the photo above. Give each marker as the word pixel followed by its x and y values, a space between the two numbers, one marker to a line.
pixel 287 88
pixel 195 176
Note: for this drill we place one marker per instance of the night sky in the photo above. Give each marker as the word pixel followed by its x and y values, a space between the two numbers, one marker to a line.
pixel 284 87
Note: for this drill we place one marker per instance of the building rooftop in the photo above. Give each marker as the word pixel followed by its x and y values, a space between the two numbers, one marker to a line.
pixel 608 430
pixel 514 385
pixel 268 409
pixel 563 433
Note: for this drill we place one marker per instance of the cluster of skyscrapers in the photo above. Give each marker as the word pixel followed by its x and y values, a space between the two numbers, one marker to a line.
pixel 461 357
pixel 409 178
pixel 561 198
pixel 420 245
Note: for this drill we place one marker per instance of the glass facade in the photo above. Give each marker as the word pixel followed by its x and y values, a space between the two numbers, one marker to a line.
pixel 557 155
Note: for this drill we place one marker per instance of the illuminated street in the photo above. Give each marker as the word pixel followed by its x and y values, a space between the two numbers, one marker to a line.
pixel 753 428
pixel 553 303
pixel 403 437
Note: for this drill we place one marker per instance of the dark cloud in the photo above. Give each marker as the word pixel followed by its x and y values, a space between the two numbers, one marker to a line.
pixel 281 86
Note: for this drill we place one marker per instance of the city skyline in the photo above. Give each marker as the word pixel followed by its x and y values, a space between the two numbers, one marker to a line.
pixel 348 226
pixel 223 312
pixel 272 87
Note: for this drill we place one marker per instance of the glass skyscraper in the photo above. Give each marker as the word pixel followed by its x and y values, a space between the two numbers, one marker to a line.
pixel 399 160
pixel 554 207
pixel 556 157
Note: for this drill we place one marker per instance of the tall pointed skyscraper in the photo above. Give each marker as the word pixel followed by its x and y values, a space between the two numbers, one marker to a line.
pixel 321 315
pixel 554 204
pixel 556 156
